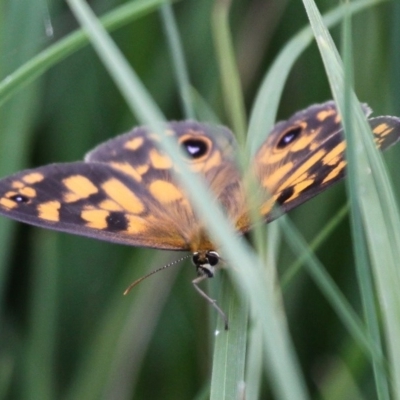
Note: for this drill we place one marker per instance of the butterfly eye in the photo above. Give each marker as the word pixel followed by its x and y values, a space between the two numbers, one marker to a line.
pixel 213 258
pixel 195 148
pixel 289 137
pixel 18 198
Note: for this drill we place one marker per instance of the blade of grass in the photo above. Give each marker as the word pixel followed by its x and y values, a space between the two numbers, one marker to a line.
pixel 263 114
pixel 41 344
pixel 231 86
pixel 178 59
pixel 230 350
pixel 329 227
pixel 331 291
pixel 124 336
pixel 371 187
pixel 274 83
pixel 230 347
pixel 285 375
pixel 16 117
pixel 39 64
pixel 363 267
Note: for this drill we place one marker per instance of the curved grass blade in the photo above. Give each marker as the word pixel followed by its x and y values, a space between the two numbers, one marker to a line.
pixel 265 106
pixel 49 57
pixel 285 374
pixel 370 187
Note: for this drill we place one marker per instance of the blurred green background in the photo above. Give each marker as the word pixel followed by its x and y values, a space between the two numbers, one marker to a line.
pixel 66 330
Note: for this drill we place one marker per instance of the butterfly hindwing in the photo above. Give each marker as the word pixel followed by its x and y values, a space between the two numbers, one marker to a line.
pixel 306 154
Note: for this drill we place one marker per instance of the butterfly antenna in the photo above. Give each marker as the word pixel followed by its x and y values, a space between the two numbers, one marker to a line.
pixel 133 284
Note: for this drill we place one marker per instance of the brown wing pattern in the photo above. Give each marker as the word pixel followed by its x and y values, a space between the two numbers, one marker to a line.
pixel 125 191
pixel 305 154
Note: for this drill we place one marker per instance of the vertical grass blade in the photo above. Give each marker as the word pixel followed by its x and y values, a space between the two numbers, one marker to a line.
pixel 230 347
pixel 363 267
pixel 285 374
pixel 178 59
pixel 371 188
pixel 265 107
pixel 231 85
pixel 41 352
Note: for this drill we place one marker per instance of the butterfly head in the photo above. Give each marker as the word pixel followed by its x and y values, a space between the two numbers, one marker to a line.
pixel 205 262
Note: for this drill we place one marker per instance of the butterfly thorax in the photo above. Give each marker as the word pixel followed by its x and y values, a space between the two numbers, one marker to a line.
pixel 205 262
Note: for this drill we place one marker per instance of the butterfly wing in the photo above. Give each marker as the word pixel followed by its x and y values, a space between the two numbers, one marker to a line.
pixel 125 191
pixel 305 154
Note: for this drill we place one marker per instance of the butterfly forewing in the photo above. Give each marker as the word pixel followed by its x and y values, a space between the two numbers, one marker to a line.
pixel 126 190
pixel 306 154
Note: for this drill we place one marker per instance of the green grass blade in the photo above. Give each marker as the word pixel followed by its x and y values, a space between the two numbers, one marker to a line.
pixel 42 344
pixel 322 236
pixel 231 85
pixel 371 188
pixel 363 267
pixel 49 57
pixel 227 380
pixel 17 116
pixel 265 106
pixel 332 293
pixel 180 69
pixel 285 375
pixel 123 334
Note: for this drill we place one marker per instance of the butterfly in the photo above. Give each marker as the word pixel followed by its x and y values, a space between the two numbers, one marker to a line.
pixel 125 191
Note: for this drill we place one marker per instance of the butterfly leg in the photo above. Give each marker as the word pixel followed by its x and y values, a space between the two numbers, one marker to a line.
pixel 209 299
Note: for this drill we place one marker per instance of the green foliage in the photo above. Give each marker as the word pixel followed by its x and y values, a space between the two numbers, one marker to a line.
pixel 66 329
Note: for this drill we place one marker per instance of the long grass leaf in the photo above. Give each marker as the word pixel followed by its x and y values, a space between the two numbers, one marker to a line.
pixel 372 190
pixel 279 351
pixel 265 106
pixel 49 57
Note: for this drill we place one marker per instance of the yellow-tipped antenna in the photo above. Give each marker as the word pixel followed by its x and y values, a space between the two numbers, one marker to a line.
pixel 133 284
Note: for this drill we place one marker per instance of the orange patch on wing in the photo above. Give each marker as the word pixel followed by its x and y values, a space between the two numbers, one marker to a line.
pixel 33 177
pixel 214 161
pixel 300 187
pixel 17 185
pixel 127 169
pixel 334 153
pixel 323 115
pixel 303 168
pixel 80 188
pixel 134 143
pixel 10 194
pixel 270 181
pixel 303 141
pixel 382 129
pixel 122 195
pixel 136 224
pixel 142 169
pixel 165 192
pixel 267 206
pixel 7 203
pixel 158 160
pixel 335 172
pixel 49 210
pixel 28 191
pixel 95 218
